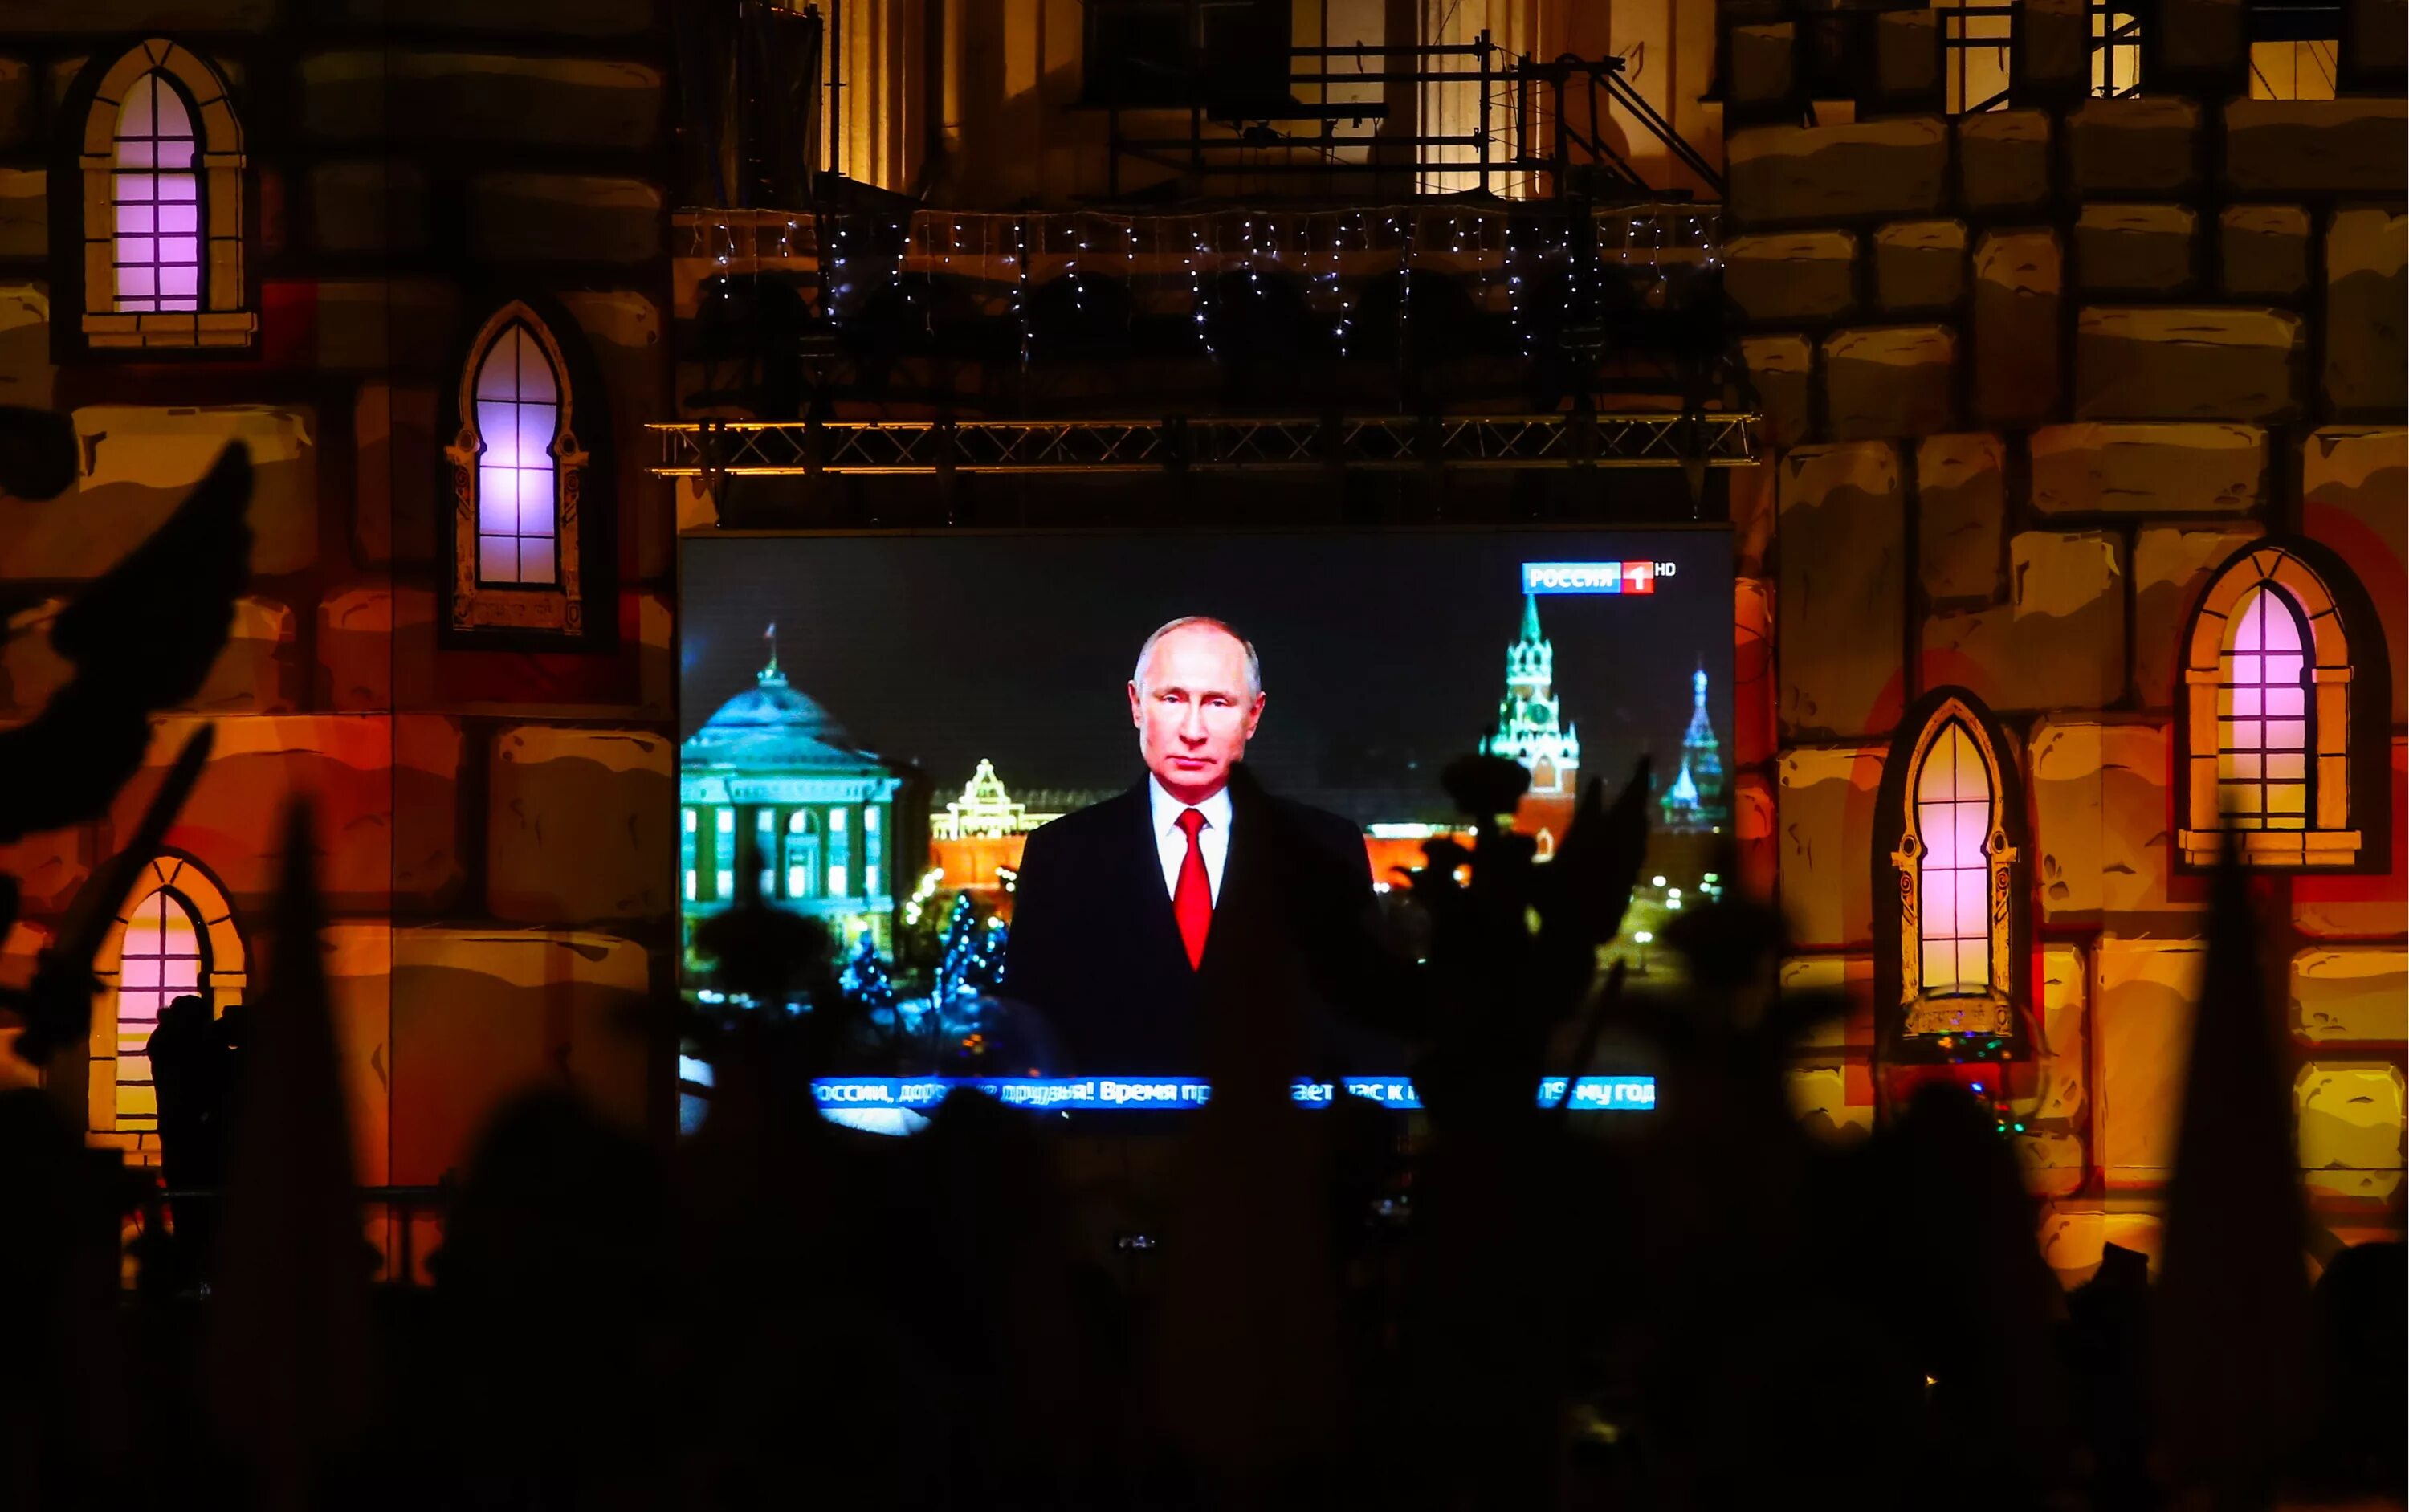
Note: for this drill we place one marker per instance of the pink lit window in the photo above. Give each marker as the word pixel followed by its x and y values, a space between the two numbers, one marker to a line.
pixel 161 961
pixel 519 415
pixel 2262 721
pixel 157 204
pixel 1952 820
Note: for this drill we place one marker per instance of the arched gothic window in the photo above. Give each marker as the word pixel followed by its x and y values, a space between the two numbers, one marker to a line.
pixel 161 173
pixel 522 547
pixel 1949 846
pixel 518 483
pixel 2280 678
pixel 176 936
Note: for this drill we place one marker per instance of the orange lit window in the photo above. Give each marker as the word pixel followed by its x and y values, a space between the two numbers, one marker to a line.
pixel 2279 674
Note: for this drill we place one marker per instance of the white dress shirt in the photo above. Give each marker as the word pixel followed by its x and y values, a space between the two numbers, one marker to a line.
pixel 1171 841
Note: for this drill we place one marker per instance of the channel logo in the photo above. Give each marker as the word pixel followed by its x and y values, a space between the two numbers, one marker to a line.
pixel 1594 577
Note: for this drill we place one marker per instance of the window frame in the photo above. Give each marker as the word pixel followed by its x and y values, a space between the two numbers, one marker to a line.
pixel 572 613
pixel 82 215
pixel 1913 1025
pixel 2347 714
pixel 222 979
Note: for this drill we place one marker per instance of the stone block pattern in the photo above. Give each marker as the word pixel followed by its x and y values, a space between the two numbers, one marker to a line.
pixel 1825 844
pixel 382 327
pixel 1819 1095
pixel 2350 1115
pixel 256 673
pixel 479 1015
pixel 1844 570
pixel 30 671
pixel 17 88
pixel 27 376
pixel 2156 363
pixel 2353 480
pixel 2134 146
pixel 483 97
pixel 2019 284
pixel 360 770
pixel 2347 995
pixel 1789 175
pixel 2366 253
pixel 1920 264
pixel 25 212
pixel 1804 275
pixel 140 464
pixel 2316 147
pixel 1961 513
pixel 2136 248
pixel 580 823
pixel 368 207
pixel 1889 380
pixel 1782 370
pixel 2171 570
pixel 2145 1001
pixel 394 448
pixel 1846 981
pixel 2057 643
pixel 555 217
pixel 1761 72
pixel 2204 469
pixel 2265 250
pixel 2003 160
pixel 2100 809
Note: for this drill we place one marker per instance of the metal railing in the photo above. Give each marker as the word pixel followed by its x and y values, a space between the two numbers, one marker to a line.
pixel 712 450
pixel 1513 134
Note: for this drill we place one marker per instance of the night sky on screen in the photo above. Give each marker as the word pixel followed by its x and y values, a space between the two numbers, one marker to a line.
pixel 1384 655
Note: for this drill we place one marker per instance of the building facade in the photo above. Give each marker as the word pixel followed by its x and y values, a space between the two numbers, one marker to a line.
pixel 2068 515
pixel 422 278
pixel 773 782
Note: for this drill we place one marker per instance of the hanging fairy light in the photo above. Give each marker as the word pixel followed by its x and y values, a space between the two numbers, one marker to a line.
pixel 1020 261
pixel 1332 291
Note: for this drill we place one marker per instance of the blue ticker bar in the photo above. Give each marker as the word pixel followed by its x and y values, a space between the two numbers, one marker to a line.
pixel 1129 1094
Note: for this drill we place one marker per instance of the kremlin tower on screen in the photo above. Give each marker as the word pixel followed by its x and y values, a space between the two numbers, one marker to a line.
pixel 1531 730
pixel 1697 800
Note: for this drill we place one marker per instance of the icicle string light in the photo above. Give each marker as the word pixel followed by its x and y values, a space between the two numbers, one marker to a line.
pixel 998 261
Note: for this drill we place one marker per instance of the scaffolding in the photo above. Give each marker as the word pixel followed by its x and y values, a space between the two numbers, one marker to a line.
pixel 713 450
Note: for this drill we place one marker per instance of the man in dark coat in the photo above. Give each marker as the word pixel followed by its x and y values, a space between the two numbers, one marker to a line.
pixel 1194 902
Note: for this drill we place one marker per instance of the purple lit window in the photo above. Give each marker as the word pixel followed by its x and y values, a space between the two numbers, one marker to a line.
pixel 161 961
pixel 156 202
pixel 1952 820
pixel 2262 722
pixel 518 416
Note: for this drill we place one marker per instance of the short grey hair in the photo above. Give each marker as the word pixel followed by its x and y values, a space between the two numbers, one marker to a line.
pixel 1254 663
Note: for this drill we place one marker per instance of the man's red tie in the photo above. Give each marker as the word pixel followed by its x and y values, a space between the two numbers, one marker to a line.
pixel 1192 902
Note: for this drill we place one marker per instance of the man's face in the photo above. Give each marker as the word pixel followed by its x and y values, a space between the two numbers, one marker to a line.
pixel 1193 714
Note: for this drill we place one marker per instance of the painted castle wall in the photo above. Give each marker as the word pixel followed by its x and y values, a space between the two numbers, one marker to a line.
pixel 495 826
pixel 2027 378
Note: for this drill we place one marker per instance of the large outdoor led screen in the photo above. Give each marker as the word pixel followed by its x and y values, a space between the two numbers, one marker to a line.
pixel 938 746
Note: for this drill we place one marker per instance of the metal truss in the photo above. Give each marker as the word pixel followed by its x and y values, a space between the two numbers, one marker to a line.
pixel 713 449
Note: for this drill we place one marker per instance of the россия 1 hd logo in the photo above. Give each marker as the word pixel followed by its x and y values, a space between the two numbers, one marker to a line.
pixel 1594 577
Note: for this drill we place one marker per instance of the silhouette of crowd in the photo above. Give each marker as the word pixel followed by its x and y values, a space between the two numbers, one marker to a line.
pixel 1268 1307
pixel 1264 1307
